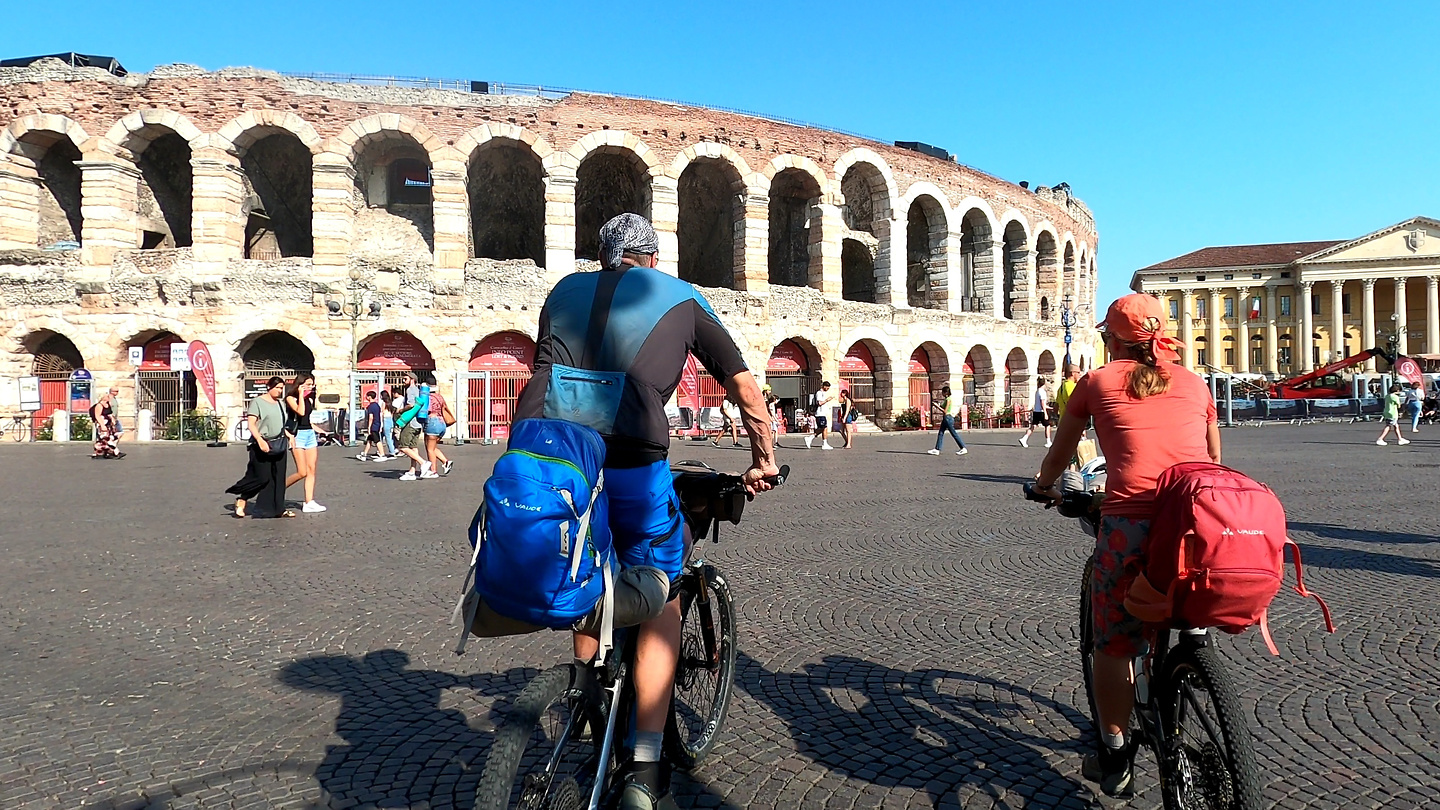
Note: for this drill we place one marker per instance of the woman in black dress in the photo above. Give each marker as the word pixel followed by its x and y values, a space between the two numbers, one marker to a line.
pixel 265 474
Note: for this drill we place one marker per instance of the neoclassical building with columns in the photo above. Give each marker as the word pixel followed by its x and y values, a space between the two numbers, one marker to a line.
pixel 300 223
pixel 1284 309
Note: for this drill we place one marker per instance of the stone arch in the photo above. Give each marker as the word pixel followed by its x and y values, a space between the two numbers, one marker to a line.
pixel 277 176
pixel 710 227
pixel 137 330
pixel 977 259
pixel 792 380
pixel 1070 271
pixel 709 150
pixel 1045 366
pixel 1015 273
pixel 1019 380
pixel 614 175
pixel 927 232
pixel 865 165
pixel 881 375
pixel 51 146
pixel 242 337
pixel 483 134
pixel 979 377
pixel 241 132
pixel 1049 281
pixel 394 177
pixel 160 144
pixel 928 367
pixel 385 126
pixel 787 162
pixel 443 352
pixel 52 353
pixel 795 196
pixel 267 353
pixel 505 186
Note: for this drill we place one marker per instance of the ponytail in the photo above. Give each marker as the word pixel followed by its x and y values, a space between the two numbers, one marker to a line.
pixel 1145 378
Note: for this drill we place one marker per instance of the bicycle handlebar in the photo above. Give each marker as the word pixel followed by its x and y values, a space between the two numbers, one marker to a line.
pixel 709 496
pixel 1072 504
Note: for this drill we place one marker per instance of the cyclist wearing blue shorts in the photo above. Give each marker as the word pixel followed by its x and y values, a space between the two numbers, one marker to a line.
pixel 611 349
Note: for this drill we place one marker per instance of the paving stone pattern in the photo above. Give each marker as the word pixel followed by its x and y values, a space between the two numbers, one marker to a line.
pixel 908 634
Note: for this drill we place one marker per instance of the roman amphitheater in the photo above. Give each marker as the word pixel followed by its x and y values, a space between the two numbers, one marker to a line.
pixel 359 230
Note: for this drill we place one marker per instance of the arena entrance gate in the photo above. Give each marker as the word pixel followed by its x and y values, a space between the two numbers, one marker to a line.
pixel 500 368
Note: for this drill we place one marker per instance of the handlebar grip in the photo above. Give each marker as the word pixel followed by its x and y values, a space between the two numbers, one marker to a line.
pixel 1031 495
pixel 779 480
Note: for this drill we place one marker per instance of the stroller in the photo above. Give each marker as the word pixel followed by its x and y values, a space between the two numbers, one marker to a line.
pixel 1430 411
pixel 327 427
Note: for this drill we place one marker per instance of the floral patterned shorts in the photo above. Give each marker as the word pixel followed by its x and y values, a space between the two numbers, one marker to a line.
pixel 1117 562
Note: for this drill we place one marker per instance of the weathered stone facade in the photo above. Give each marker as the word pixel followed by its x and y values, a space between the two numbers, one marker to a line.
pixel 455 212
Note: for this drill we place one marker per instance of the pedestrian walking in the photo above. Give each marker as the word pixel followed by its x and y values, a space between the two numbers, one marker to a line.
pixel 1390 415
pixel 950 405
pixel 264 478
pixel 417 401
pixel 299 406
pixel 731 412
pixel 1062 394
pixel 438 420
pixel 107 426
pixel 394 402
pixel 1415 404
pixel 772 407
pixel 824 401
pixel 373 426
pixel 1039 412
pixel 845 416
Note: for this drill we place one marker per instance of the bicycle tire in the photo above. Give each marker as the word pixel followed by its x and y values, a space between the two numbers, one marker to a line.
pixel 503 784
pixel 241 431
pixel 1087 643
pixel 1204 776
pixel 701 700
pixel 19 430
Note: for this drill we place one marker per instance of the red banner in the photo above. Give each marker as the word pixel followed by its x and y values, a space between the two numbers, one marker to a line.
pixel 203 367
pixel 1407 368
pixel 395 351
pixel 858 359
pixel 505 351
pixel 788 358
pixel 920 361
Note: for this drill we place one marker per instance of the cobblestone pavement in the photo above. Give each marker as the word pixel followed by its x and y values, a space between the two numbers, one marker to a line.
pixel 907 623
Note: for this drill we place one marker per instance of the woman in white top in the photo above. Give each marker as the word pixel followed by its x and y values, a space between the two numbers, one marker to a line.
pixel 1039 412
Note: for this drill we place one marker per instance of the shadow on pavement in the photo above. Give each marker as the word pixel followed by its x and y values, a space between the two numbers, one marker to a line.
pixel 932 730
pixel 1343 559
pixel 401 747
pixel 1330 531
pixel 990 479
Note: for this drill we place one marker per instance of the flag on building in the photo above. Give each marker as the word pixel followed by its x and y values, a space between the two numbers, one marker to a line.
pixel 1254 309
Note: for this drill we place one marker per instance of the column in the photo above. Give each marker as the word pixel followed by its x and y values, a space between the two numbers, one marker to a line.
pixel 1367 320
pixel 1305 362
pixel 955 290
pixel 1242 330
pixel 1216 342
pixel 332 214
pixel 1187 327
pixel 450 207
pixel 559 223
pixel 19 203
pixel 1432 315
pixel 665 216
pixel 1337 320
pixel 1272 334
pixel 108 189
pixel 753 274
pixel 825 244
pixel 1401 323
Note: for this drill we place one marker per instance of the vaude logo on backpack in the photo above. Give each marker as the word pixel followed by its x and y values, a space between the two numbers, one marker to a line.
pixel 542 535
pixel 1215 555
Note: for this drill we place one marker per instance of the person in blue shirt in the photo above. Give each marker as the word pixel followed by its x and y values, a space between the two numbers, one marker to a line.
pixel 372 428
pixel 611 349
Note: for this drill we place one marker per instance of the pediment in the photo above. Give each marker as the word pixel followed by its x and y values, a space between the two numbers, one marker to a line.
pixel 1413 238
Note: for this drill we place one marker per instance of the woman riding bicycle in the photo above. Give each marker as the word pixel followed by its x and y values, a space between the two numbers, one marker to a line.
pixel 1150 414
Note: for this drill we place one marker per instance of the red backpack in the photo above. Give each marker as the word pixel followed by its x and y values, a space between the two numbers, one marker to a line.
pixel 1215 556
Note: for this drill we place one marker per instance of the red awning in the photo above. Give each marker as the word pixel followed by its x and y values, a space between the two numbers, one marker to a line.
pixel 395 351
pixel 920 362
pixel 858 359
pixel 504 351
pixel 788 358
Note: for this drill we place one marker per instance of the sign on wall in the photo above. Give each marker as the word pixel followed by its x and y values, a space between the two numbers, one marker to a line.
pixel 30 394
pixel 179 357
pixel 80 380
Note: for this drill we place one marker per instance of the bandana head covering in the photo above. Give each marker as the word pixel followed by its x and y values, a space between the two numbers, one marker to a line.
pixel 1139 318
pixel 627 233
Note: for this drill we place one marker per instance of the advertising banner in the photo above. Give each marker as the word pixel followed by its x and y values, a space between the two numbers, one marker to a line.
pixel 201 365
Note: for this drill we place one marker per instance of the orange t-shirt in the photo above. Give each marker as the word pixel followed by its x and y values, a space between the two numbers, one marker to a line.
pixel 1141 438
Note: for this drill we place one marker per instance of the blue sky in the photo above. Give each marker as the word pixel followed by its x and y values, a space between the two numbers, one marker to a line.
pixel 1181 127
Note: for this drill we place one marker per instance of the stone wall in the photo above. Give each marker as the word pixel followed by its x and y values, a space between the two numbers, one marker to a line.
pixel 289 169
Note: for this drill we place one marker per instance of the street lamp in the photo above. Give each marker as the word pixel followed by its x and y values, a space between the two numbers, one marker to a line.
pixel 1068 319
pixel 353 307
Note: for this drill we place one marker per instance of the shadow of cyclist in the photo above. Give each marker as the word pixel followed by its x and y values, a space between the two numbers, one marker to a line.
pixel 943 732
pixel 403 748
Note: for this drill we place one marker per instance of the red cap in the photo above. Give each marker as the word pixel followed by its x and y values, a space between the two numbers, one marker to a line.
pixel 1139 318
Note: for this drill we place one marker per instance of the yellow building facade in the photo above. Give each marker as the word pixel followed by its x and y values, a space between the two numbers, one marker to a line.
pixel 1283 309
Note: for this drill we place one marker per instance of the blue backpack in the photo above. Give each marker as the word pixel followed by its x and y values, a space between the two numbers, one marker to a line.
pixel 542 544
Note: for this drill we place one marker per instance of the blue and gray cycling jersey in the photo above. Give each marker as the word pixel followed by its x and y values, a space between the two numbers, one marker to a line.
pixel 611 350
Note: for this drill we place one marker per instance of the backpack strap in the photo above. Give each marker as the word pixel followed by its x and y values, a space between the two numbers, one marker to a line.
pixel 1300 586
pixel 1265 632
pixel 607 614
pixel 469 603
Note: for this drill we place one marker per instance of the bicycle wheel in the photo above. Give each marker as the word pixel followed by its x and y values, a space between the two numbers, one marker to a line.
pixel 1209 759
pixel 706 669
pixel 1087 642
pixel 20 430
pixel 544 756
pixel 242 430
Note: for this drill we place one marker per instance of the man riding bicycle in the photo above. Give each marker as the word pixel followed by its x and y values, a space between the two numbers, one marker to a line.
pixel 1150 414
pixel 637 324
